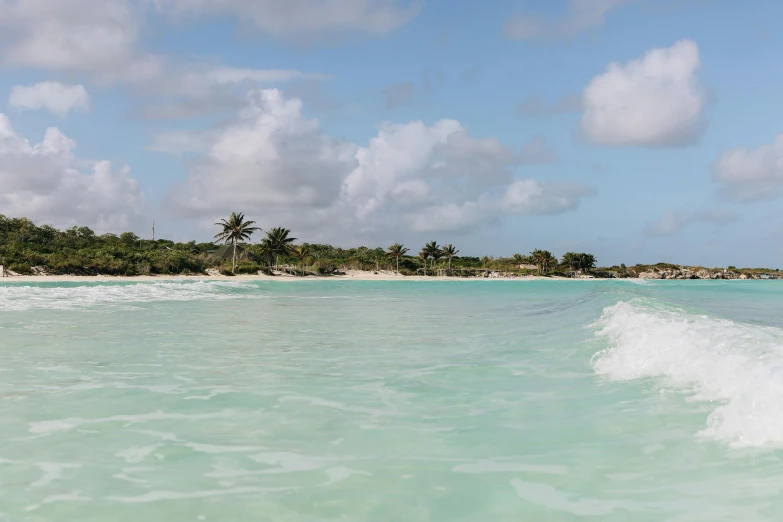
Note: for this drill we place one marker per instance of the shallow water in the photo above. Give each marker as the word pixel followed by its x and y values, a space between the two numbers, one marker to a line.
pixel 359 401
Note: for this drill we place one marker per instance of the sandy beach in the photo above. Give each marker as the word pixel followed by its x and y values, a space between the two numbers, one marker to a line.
pixel 350 275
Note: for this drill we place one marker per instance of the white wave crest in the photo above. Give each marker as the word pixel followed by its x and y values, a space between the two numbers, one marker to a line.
pixel 738 366
pixel 67 297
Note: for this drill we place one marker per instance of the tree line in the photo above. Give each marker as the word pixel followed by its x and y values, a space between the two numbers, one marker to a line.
pixel 278 242
pixel 28 248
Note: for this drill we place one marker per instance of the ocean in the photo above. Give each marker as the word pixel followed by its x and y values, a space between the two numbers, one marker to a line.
pixel 392 401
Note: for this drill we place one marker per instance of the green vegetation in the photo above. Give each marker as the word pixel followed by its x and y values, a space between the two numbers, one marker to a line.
pixel 78 250
pixel 235 229
pixel 26 248
pixel 396 252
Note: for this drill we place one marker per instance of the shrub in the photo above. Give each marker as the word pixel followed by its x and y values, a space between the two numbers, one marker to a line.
pixel 20 268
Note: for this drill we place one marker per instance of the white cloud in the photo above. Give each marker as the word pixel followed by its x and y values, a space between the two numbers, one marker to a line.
pixel 302 17
pixel 99 40
pixel 90 36
pixel 580 15
pixel 529 196
pixel 55 97
pixel 279 166
pixel 454 217
pixel 674 222
pixel 523 197
pixel 229 75
pixel 45 183
pixel 413 192
pixel 270 158
pixel 653 101
pixel 749 175
pixel 195 89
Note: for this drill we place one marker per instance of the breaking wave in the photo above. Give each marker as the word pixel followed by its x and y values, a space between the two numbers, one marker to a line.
pixel 68 297
pixel 737 366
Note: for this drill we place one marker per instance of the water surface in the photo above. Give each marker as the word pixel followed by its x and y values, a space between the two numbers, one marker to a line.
pixel 359 401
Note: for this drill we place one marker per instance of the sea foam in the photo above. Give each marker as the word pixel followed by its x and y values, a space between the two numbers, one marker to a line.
pixel 737 366
pixel 27 297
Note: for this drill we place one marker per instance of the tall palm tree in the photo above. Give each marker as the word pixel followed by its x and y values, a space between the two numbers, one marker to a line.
pixel 435 252
pixel 235 229
pixel 301 252
pixel 277 242
pixel 485 261
pixel 449 251
pixel 518 260
pixel 424 255
pixel 396 251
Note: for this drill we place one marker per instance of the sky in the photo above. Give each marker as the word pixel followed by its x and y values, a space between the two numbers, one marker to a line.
pixel 641 131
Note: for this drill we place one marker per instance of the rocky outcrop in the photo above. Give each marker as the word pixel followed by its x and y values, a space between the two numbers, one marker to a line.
pixel 687 273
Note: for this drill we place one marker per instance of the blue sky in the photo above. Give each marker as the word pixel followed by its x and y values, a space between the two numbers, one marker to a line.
pixel 639 130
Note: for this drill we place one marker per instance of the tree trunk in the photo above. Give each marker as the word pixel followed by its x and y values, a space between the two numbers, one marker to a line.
pixel 234 259
pixel 398 265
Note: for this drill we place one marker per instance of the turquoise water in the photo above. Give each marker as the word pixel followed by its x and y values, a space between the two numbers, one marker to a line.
pixel 387 401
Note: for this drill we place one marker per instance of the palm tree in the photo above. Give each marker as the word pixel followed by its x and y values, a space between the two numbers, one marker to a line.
pixel 433 251
pixel 235 229
pixel 538 259
pixel 518 259
pixel 424 255
pixel 549 261
pixel 544 259
pixel 301 252
pixel 571 259
pixel 586 262
pixel 448 252
pixel 277 242
pixel 396 251
pixel 485 261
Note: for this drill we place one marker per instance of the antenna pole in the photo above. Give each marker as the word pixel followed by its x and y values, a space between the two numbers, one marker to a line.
pixel 153 231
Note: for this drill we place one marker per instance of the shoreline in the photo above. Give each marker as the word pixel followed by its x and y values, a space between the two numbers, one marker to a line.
pixel 350 275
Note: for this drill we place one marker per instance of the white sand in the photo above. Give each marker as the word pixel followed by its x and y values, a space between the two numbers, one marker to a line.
pixel 351 275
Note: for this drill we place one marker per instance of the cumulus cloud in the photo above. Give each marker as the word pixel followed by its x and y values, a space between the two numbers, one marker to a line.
pixel 654 101
pixel 528 196
pixel 749 175
pixel 270 157
pixel 302 17
pixel 90 36
pixel 280 166
pixel 45 182
pixel 99 40
pixel 580 15
pixel 522 197
pixel 454 217
pixel 57 98
pixel 674 222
